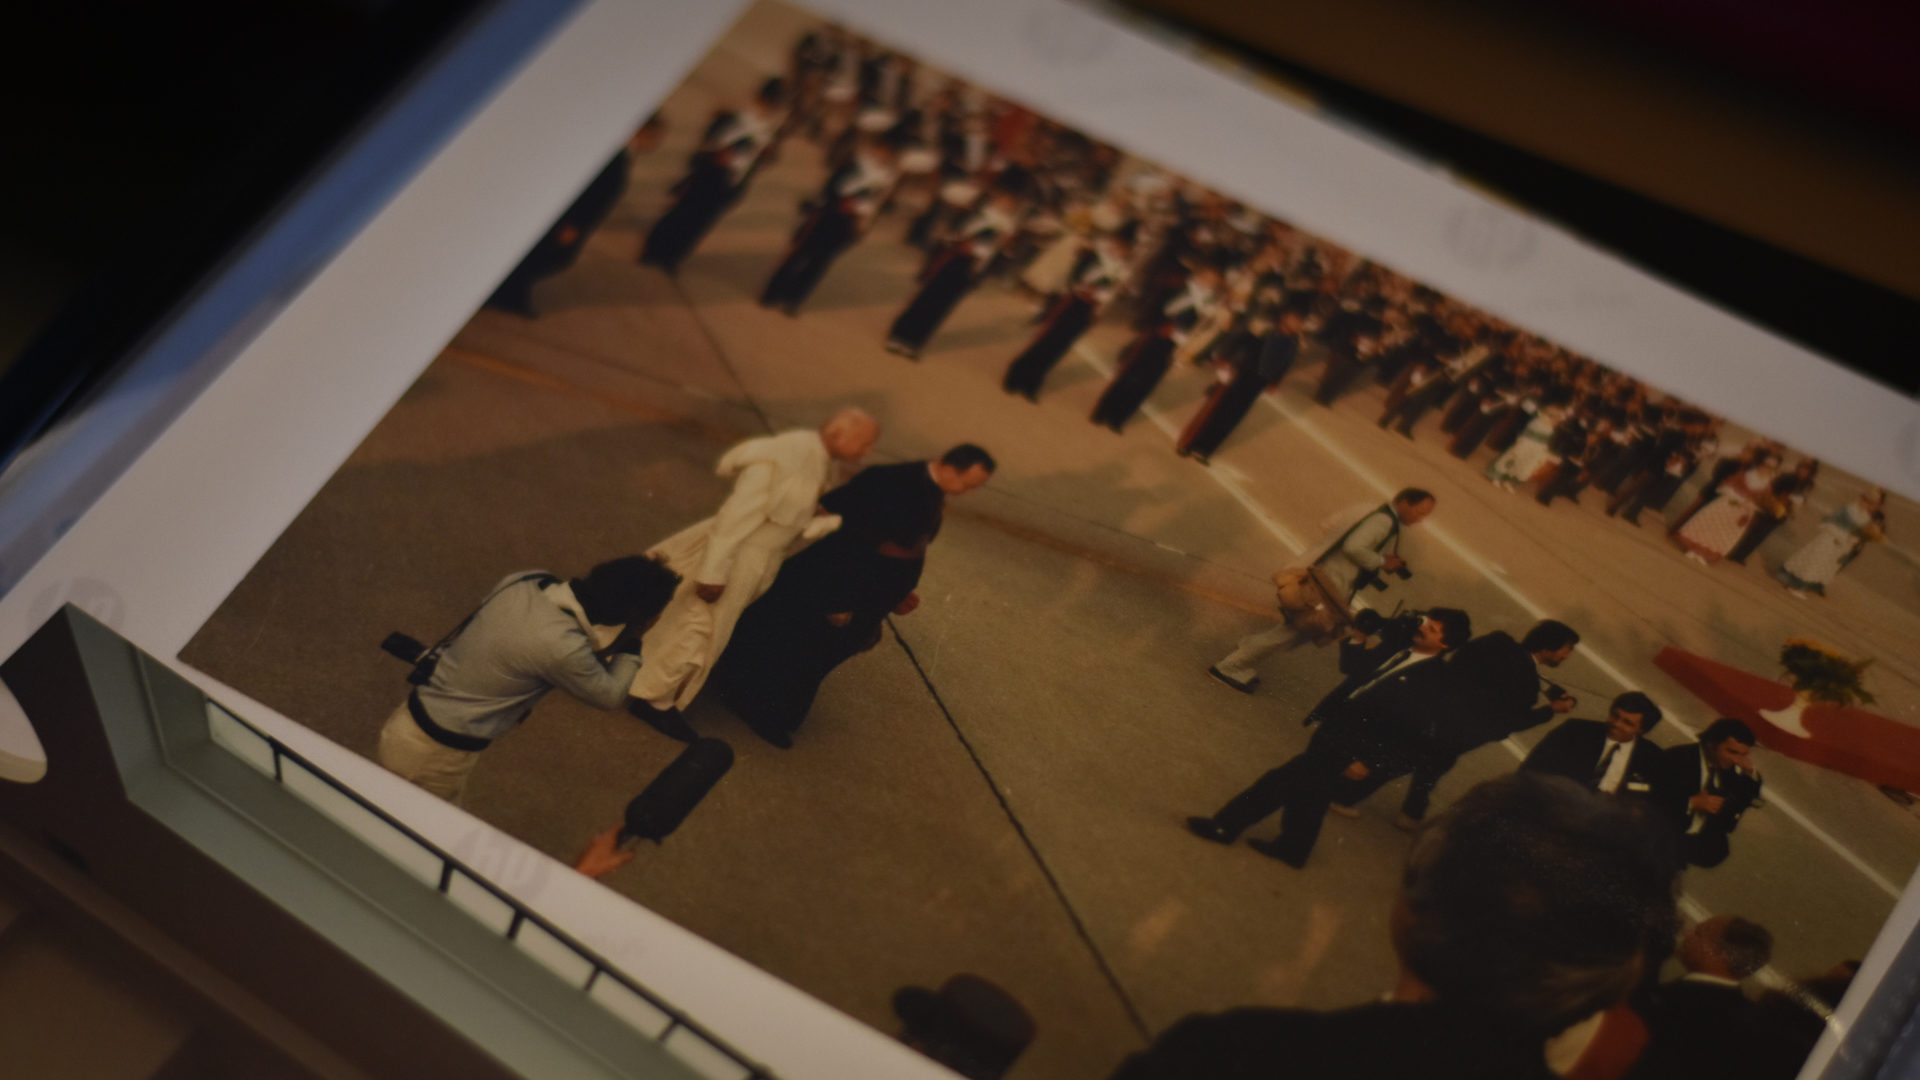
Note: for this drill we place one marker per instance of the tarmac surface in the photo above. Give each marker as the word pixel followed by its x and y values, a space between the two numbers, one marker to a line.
pixel 1000 786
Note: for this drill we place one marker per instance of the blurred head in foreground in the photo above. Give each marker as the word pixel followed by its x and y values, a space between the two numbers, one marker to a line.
pixel 1533 902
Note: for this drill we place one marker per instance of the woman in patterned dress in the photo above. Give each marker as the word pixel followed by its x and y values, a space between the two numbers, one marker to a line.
pixel 1842 535
pixel 1713 531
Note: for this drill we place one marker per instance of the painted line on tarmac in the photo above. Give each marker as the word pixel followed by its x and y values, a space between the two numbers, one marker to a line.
pixel 1280 532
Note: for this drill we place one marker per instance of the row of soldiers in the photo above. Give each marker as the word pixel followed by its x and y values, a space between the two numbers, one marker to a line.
pixel 1006 193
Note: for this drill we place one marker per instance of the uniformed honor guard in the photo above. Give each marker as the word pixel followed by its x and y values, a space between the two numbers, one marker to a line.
pixel 953 272
pixel 717 175
pixel 1145 361
pixel 848 203
pixel 1258 356
pixel 1096 275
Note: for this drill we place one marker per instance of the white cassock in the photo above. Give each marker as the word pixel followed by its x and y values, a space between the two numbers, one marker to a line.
pixel 778 481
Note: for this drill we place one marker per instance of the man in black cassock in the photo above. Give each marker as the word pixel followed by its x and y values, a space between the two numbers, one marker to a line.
pixel 830 599
pixel 730 151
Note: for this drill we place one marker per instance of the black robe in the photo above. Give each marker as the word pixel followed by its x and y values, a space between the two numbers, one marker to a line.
pixel 784 646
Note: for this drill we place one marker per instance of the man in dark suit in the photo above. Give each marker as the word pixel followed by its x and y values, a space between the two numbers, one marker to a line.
pixel 1502 940
pixel 1703 1024
pixel 1610 756
pixel 1702 788
pixel 1373 720
pixel 1492 690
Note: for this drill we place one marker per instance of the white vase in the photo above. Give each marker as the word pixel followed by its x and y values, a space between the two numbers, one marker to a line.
pixel 1790 718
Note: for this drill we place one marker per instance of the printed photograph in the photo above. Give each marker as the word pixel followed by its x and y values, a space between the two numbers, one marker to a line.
pixel 1083 625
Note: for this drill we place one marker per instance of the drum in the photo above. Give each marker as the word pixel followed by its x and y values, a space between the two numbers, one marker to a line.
pixel 960 194
pixel 919 161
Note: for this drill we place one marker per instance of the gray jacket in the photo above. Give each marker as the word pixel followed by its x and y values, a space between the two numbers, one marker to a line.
pixel 523 642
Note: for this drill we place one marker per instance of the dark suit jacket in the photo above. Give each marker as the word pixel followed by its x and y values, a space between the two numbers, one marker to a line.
pixel 1492 693
pixel 1573 749
pixel 1388 721
pixel 1358 663
pixel 1677 780
pixel 1701 1029
pixel 1370 1042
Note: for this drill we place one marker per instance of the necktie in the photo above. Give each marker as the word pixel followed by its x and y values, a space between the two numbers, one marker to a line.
pixel 1606 759
pixel 1385 670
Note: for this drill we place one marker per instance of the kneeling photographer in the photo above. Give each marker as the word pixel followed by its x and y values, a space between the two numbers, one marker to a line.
pixel 532 633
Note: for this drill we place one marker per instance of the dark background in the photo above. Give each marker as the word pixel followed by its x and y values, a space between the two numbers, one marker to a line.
pixel 1762 155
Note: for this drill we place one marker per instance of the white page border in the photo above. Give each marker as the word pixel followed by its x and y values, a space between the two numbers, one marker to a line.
pixel 163 546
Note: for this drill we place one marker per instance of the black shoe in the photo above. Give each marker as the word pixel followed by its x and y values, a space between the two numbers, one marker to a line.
pixel 1273 849
pixel 772 735
pixel 1223 677
pixel 667 722
pixel 1208 829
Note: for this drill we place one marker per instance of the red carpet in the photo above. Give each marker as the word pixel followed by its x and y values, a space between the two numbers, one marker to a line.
pixel 1844 738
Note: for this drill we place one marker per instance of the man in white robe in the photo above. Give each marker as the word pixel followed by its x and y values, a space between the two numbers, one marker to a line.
pixel 728 560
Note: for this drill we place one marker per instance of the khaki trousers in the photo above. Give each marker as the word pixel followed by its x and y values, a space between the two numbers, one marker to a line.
pixel 407 750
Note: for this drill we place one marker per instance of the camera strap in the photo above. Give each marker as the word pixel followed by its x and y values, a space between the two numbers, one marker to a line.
pixel 423 668
pixel 1392 537
pixel 1393 534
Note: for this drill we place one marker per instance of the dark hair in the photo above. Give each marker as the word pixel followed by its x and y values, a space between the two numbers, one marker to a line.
pixel 628 591
pixel 1456 625
pixel 1412 496
pixel 1727 728
pixel 1745 946
pixel 1549 635
pixel 1633 701
pixel 1535 902
pixel 966 456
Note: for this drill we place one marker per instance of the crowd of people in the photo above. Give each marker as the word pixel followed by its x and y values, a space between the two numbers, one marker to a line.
pixel 1535 912
pixel 793 575
pixel 1420 690
pixel 1003 193
pixel 1531 924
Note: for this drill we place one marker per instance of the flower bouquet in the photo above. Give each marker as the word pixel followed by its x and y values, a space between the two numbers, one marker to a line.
pixel 1817 673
